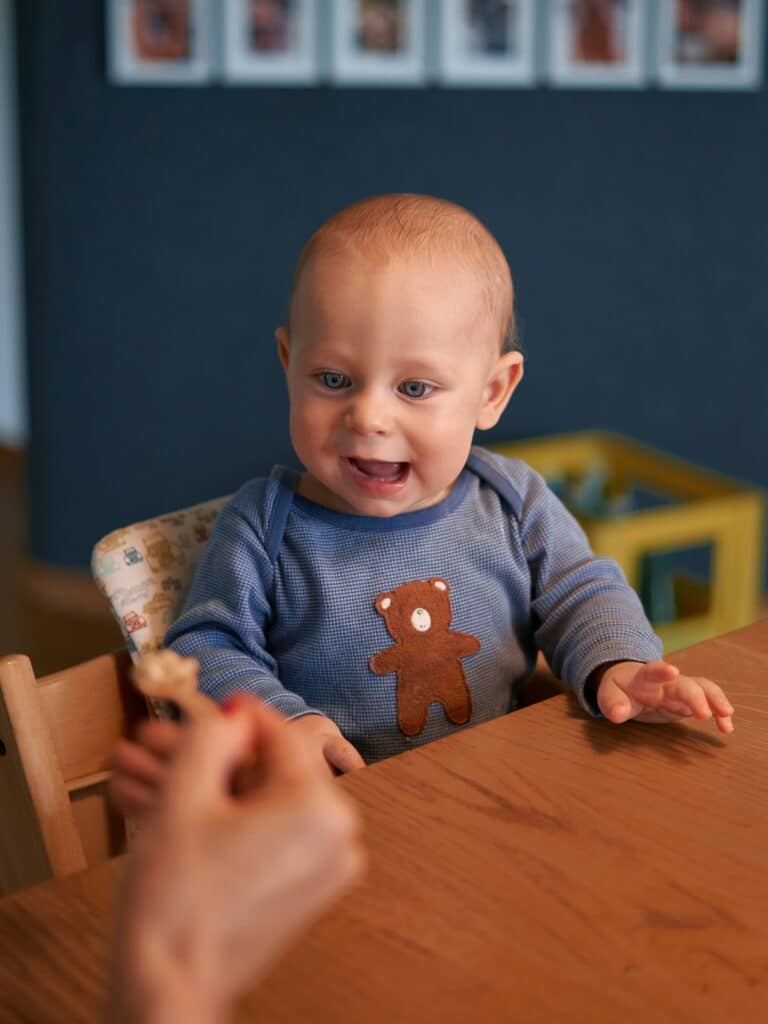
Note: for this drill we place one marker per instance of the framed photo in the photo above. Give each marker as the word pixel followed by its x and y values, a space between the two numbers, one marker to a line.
pixel 158 42
pixel 487 42
pixel 598 43
pixel 378 42
pixel 270 41
pixel 711 44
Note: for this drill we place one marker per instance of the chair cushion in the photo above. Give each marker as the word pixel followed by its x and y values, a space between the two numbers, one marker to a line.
pixel 144 570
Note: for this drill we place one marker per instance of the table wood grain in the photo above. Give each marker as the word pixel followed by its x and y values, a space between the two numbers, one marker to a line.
pixel 540 867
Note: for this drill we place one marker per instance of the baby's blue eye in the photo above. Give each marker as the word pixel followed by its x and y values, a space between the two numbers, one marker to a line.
pixel 334 381
pixel 416 388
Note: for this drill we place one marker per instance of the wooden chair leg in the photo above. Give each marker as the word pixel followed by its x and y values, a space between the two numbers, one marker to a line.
pixel 38 837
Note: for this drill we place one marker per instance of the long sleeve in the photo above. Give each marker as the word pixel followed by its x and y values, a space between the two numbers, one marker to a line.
pixel 226 614
pixel 585 612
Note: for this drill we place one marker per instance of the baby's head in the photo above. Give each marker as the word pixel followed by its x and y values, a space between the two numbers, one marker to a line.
pixel 400 342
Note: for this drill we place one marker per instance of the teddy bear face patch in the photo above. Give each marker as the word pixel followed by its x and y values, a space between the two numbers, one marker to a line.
pixel 421 620
pixel 426 656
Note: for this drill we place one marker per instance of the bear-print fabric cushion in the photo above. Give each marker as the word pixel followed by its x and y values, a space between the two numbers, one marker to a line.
pixel 144 570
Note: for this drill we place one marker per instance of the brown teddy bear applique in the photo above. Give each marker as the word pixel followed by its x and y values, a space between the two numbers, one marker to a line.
pixel 426 655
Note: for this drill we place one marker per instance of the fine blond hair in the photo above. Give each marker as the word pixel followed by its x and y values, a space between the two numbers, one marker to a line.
pixel 420 227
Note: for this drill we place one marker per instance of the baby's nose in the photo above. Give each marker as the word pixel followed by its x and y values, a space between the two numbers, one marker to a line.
pixel 367 414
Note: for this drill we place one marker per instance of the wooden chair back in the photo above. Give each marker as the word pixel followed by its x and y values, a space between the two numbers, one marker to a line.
pixel 57 735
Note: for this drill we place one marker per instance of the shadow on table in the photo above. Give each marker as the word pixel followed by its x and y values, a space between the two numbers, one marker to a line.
pixel 677 741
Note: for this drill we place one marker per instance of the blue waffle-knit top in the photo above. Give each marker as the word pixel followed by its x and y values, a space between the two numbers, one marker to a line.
pixel 282 603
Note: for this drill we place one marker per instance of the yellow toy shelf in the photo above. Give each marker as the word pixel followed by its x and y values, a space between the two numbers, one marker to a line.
pixel 695 508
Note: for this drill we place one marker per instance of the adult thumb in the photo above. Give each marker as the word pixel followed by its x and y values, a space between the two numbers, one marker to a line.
pixel 210 750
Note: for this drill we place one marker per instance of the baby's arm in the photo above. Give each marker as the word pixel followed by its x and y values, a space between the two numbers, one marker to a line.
pixel 656 692
pixel 224 617
pixel 594 632
pixel 224 622
pixel 585 615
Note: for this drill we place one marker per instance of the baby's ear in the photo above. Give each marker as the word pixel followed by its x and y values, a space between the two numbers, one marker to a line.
pixel 499 388
pixel 283 339
pixel 383 603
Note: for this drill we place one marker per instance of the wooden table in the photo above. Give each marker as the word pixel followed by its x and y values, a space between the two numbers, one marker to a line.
pixel 541 867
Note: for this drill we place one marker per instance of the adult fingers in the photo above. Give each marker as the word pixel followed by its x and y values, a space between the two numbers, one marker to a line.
pixel 338 853
pixel 340 754
pixel 208 753
pixel 317 860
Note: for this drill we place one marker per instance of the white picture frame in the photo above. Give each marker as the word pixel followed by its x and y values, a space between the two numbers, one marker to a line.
pixel 174 53
pixel 293 58
pixel 354 64
pixel 475 51
pixel 617 43
pixel 695 63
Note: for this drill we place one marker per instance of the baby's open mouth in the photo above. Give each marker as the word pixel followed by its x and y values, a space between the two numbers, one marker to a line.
pixel 386 472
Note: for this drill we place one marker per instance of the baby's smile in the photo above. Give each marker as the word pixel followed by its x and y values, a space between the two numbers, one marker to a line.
pixel 375 476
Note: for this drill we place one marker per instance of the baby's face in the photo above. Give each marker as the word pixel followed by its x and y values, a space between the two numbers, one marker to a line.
pixel 390 367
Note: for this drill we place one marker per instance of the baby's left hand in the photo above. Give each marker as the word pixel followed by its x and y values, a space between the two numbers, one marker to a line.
pixel 656 692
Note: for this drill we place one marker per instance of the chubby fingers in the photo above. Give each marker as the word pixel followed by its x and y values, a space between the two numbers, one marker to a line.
pixel 704 698
pixel 614 702
pixel 650 682
pixel 341 755
pixel 138 768
pixel 131 795
pixel 159 736
pixel 656 692
pixel 677 693
pixel 626 688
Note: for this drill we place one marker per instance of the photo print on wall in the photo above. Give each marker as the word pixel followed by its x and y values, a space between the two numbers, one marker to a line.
pixel 158 42
pixel 487 42
pixel 598 43
pixel 378 42
pixel 711 44
pixel 270 41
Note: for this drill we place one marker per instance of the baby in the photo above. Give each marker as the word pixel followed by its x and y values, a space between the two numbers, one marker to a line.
pixel 401 585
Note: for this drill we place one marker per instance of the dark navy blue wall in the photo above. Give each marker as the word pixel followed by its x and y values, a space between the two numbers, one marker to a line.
pixel 161 227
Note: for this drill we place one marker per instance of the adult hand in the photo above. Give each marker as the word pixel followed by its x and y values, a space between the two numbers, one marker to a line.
pixel 217 884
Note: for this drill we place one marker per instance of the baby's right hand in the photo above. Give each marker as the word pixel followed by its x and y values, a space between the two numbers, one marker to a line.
pixel 326 745
pixel 139 766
